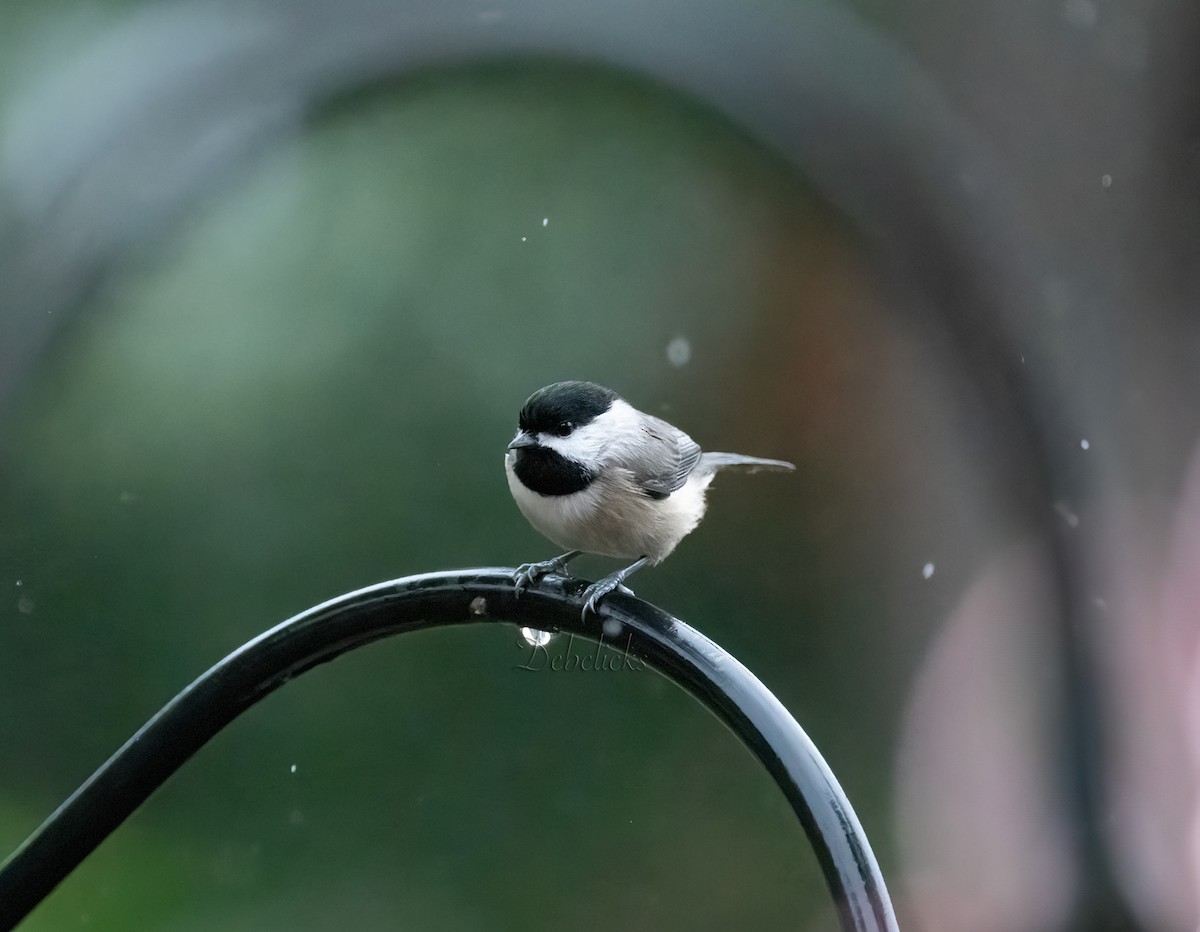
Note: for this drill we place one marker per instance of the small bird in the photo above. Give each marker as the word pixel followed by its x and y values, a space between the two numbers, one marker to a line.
pixel 596 475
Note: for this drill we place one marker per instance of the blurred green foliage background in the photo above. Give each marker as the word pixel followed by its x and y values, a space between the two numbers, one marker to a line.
pixel 306 386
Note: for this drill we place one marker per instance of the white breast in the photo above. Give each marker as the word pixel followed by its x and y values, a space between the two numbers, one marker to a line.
pixel 612 517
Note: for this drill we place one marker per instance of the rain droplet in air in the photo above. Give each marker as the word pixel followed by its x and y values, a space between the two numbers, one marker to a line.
pixel 679 352
pixel 1066 514
pixel 1082 14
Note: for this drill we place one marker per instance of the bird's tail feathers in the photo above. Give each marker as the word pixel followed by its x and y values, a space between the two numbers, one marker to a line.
pixel 717 461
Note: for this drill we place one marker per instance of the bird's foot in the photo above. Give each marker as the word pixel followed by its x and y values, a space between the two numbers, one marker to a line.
pixel 599 590
pixel 529 573
pixel 596 592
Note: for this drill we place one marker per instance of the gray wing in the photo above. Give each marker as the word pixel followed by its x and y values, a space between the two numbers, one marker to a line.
pixel 667 459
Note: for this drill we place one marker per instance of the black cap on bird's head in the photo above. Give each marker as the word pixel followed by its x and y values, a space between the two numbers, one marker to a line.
pixel 560 408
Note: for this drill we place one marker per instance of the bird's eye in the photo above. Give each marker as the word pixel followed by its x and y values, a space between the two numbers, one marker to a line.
pixel 564 428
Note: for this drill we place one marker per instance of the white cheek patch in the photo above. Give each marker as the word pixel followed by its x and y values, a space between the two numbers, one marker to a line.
pixel 583 445
pixel 588 444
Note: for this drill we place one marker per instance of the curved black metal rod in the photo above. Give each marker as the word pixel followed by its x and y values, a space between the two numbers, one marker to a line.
pixel 456 597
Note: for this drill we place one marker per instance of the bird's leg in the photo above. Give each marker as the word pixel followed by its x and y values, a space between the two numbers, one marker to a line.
pixel 599 589
pixel 529 573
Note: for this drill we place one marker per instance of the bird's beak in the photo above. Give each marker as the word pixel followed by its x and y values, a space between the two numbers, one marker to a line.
pixel 523 441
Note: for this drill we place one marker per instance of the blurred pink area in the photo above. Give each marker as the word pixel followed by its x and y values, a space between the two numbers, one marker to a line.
pixel 979 822
pixel 1153 652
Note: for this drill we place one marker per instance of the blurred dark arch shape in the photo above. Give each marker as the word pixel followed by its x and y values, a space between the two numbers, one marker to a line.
pixel 811 81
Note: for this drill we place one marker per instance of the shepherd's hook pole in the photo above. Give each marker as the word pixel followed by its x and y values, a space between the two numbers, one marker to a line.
pixel 434 600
